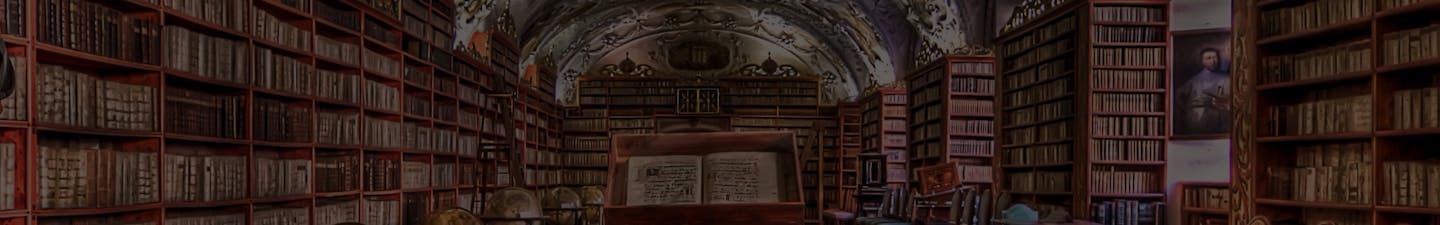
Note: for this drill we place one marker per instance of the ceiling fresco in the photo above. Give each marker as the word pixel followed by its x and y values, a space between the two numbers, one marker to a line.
pixel 850 43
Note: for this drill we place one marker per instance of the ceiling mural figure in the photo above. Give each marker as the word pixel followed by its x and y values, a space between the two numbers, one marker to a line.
pixel 850 43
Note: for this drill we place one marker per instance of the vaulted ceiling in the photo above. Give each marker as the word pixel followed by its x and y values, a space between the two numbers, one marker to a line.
pixel 850 43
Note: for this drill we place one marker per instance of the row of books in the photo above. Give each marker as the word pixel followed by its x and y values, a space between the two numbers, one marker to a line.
pixel 1412 45
pixel 1055 131
pixel 579 142
pixel 337 171
pixel 416 208
pixel 274 29
pixel 206 56
pixel 1127 150
pixel 1412 183
pixel 381 96
pixel 275 120
pixel 1042 112
pixel 1321 116
pixel 1044 72
pixel 17 106
pixel 13 22
pixel 1036 155
pixel 1417 108
pixel 374 30
pixel 339 86
pixel 414 174
pixel 1121 102
pixel 766 100
pixel 91 27
pixel 1043 34
pixel 337 127
pixel 205 218
pixel 600 159
pixel 643 91
pixel 336 211
pixel 280 215
pixel 1138 56
pixel 72 98
pixel 1103 33
pixel 1390 4
pixel 196 174
pixel 1129 14
pixel 336 15
pixel 585 124
pixel 1317 63
pixel 419 105
pixel 219 12
pixel 585 177
pixel 972 85
pixel 972 68
pixel 1039 93
pixel 535 156
pixel 382 64
pixel 277 176
pixel 1207 197
pixel 203 114
pixel 1115 180
pixel 1126 79
pixel 1039 181
pixel 972 147
pixel 1128 126
pixel 764 91
pixel 416 74
pixel 94 173
pixel 535 177
pixel 298 5
pixel 276 71
pixel 382 211
pixel 1336 172
pixel 1042 54
pixel 1312 14
pixel 971 127
pixel 343 51
pixel 382 174
pixel 1128 212
pixel 971 107
pixel 415 26
pixel 9 162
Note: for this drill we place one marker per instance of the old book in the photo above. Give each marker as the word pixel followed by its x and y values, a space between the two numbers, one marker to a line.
pixel 726 177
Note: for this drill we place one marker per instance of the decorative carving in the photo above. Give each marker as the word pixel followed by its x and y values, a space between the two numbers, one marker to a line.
pixel 697 100
pixel 698 55
pixel 627 68
pixel 1242 129
pixel 505 24
pixel 769 68
pixel 1028 10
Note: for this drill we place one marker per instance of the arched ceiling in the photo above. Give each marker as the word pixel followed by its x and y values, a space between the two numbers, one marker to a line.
pixel 853 43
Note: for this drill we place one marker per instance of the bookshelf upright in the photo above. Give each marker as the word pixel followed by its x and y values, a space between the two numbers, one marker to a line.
pixel 1083 88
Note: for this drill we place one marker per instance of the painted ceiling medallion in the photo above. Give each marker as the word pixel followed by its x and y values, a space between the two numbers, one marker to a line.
pixel 769 68
pixel 627 68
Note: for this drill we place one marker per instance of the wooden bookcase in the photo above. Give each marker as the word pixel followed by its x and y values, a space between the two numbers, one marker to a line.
pixel 1072 75
pixel 537 126
pixel 439 102
pixel 786 211
pixel 1368 118
pixel 951 117
pixel 587 147
pixel 883 132
pixel 849 165
pixel 1203 203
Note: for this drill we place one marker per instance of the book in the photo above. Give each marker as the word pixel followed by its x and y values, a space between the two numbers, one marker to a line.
pixel 1317 168
pixel 382 211
pixel 205 218
pixel 337 171
pixel 337 210
pixel 1312 14
pixel 72 98
pixel 335 15
pixel 1207 197
pixel 17 106
pixel 13 19
pixel 269 27
pixel 109 32
pixel 276 120
pixel 1411 45
pixel 276 175
pixel 1340 59
pixel 204 114
pixel 94 173
pixel 197 173
pixel 277 71
pixel 207 56
pixel 340 50
pixel 1125 212
pixel 282 215
pixel 717 178
pixel 382 174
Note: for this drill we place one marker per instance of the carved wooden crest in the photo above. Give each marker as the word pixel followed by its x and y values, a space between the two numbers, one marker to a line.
pixel 627 68
pixel 769 68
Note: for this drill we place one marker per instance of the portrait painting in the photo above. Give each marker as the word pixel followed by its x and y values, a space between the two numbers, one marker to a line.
pixel 1200 83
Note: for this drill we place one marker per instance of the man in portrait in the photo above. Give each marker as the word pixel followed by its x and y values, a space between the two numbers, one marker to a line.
pixel 1204 98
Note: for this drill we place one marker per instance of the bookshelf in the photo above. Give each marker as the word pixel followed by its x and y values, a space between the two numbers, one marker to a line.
pixel 252 111
pixel 586 146
pixel 849 163
pixel 951 120
pixel 537 130
pixel 1083 88
pixel 884 132
pixel 1203 203
pixel 1367 64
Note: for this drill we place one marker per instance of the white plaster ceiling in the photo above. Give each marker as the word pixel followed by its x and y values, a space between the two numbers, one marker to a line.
pixel 859 42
